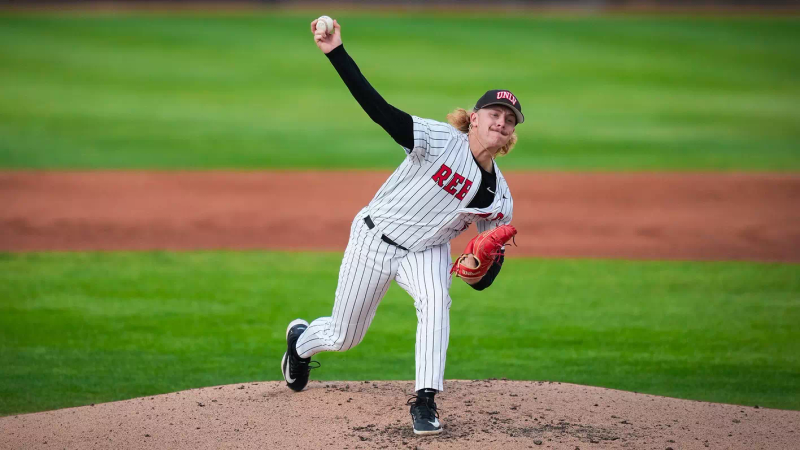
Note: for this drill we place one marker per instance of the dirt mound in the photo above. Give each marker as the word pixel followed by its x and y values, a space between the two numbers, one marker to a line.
pixel 348 415
pixel 606 215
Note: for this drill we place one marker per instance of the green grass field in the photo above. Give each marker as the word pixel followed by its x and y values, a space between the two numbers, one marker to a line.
pixel 253 92
pixel 599 93
pixel 77 328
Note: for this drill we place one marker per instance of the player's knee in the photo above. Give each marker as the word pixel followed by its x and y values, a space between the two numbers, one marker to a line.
pixel 346 341
pixel 423 304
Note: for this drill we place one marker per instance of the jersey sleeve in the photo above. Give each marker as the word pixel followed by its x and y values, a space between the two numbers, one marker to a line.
pixel 430 138
pixel 487 224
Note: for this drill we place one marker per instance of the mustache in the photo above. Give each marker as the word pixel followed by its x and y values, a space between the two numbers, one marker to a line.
pixel 500 131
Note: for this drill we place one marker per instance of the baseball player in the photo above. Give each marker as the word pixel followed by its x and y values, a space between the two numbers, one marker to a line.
pixel 448 180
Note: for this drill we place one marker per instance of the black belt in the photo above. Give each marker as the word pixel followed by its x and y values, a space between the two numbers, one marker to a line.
pixel 371 225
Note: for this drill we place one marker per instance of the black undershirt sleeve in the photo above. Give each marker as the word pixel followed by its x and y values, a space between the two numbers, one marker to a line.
pixel 397 123
pixel 488 279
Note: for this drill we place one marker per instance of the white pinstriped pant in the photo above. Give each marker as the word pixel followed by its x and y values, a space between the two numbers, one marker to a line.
pixel 368 267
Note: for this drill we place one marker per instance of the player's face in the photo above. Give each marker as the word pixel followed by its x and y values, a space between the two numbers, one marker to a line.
pixel 495 125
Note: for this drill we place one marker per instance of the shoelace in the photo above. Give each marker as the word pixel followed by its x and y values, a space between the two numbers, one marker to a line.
pixel 302 366
pixel 423 407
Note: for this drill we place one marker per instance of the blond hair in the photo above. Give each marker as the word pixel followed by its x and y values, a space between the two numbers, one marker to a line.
pixel 459 119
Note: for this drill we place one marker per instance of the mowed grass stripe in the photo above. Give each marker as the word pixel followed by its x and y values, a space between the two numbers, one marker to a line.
pixel 77 328
pixel 607 93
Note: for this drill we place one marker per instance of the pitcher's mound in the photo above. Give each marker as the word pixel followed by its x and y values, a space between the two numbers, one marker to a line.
pixel 483 414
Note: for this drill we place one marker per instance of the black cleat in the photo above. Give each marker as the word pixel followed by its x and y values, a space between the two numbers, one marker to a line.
pixel 295 369
pixel 424 415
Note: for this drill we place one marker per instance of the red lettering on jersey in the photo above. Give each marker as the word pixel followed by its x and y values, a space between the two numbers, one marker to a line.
pixel 507 95
pixel 484 215
pixel 464 189
pixel 442 175
pixel 451 186
pixel 499 216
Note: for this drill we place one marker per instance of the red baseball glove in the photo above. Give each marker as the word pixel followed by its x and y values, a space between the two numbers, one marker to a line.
pixel 482 249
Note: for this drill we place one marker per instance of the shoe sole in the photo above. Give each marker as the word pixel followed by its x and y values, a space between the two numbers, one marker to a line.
pixel 427 433
pixel 285 355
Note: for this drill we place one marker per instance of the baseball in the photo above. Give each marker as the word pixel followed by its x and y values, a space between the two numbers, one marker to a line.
pixel 325 23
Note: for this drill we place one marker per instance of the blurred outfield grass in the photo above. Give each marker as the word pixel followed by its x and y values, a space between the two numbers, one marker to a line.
pixel 606 93
pixel 78 328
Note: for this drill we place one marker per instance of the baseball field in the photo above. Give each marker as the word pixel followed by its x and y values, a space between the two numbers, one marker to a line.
pixel 177 187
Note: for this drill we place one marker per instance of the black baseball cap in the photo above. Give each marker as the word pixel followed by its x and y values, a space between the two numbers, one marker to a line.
pixel 501 97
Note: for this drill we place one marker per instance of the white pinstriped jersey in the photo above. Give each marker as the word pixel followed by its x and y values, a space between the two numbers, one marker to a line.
pixel 424 202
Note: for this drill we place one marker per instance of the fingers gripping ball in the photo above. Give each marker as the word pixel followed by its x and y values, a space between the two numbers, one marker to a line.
pixel 325 24
pixel 480 252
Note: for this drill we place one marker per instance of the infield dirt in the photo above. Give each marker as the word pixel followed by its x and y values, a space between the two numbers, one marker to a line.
pixel 486 414
pixel 637 216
